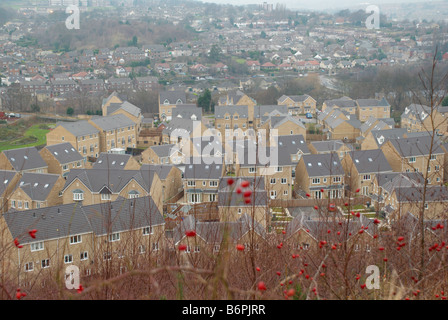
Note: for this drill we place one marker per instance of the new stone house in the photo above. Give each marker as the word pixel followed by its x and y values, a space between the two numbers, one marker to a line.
pixel 277 173
pixel 232 206
pixel 305 233
pixel 23 160
pixel 413 155
pixel 36 190
pixel 91 237
pixel 62 157
pixel 320 172
pixel 169 100
pixel 372 107
pixel 361 167
pixel 8 182
pixel 376 138
pixel 330 146
pixel 298 104
pixel 170 177
pixel 283 125
pixel 343 104
pixel 262 112
pixel 201 178
pixel 409 199
pixel 178 130
pixel 96 186
pixel 82 135
pixel 115 131
pixel 417 118
pixel 211 236
pixel 162 154
pixel 231 118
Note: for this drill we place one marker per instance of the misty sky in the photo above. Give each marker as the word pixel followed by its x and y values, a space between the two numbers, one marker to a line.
pixel 318 4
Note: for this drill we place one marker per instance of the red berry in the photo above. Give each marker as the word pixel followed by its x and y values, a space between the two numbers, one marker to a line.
pixel 291 292
pixel 247 200
pixel 238 190
pixel 400 238
pixel 278 273
pixel 80 289
pixel 316 207
pixel 247 193
pixel 182 247
pixel 190 233
pixel 230 181
pixel 257 268
pixel 261 286
pixel 357 190
pixel 308 195
pixel 245 184
pixel 240 247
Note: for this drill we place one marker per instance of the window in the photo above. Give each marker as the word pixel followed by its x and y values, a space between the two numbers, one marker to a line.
pixel 29 266
pixel 197 249
pixel 433 157
pixel 284 180
pixel 285 192
pixel 305 246
pixel 204 183
pixel 366 177
pixel 216 247
pixel 411 159
pixel 147 231
pixel 45 263
pixel 337 179
pixel 357 247
pixel 114 237
pixel 68 258
pixel 133 194
pixel 272 180
pixel 65 167
pixel 213 183
pixel 84 256
pixel 155 246
pixel 212 197
pixel 13 203
pixel 105 196
pixel 316 180
pixel 141 249
pixel 191 183
pixel 436 168
pixel 19 204
pixel 37 246
pixel 252 170
pixel 107 256
pixel 75 239
pixel 78 195
pixel 279 169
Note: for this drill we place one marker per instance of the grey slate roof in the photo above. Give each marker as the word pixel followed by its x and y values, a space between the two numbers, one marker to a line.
pixel 327 146
pixel 163 150
pixel 220 111
pixel 78 128
pixel 173 97
pixel 320 165
pixel 415 194
pixel 417 146
pixel 261 111
pixel 74 219
pixel 296 98
pixel 293 144
pixel 37 185
pixel 373 102
pixel 25 159
pixel 382 136
pixel 344 102
pixel 111 161
pixel 182 125
pixel 64 153
pixel 203 170
pixel 370 161
pixel 162 170
pixel 6 177
pixel 277 121
pixel 212 232
pixel 187 111
pixel 113 179
pixel 112 122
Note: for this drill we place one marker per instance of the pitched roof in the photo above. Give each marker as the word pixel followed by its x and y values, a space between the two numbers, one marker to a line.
pixel 25 159
pixel 74 219
pixel 64 153
pixel 319 165
pixel 203 170
pixel 418 146
pixel 173 97
pixel 220 111
pixel 370 161
pixel 6 176
pixel 78 128
pixel 37 185
pixel 328 146
pixel 112 122
pixel 111 161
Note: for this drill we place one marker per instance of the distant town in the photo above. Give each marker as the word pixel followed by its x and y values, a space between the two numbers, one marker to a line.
pixel 175 136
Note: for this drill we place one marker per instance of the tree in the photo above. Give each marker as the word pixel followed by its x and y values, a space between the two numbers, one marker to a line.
pixel 70 111
pixel 205 100
pixel 263 35
pixel 215 53
pixel 445 102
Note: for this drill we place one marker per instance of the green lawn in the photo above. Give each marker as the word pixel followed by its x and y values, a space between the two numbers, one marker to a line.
pixel 33 136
